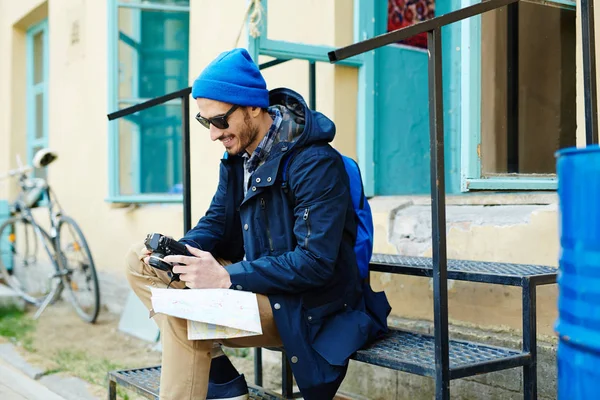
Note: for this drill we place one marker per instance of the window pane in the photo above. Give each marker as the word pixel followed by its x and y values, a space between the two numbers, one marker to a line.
pixel 546 90
pixel 39 115
pixel 129 42
pixel 150 151
pixel 164 53
pixel 153 61
pixel 38 57
pixel 153 52
pixel 128 134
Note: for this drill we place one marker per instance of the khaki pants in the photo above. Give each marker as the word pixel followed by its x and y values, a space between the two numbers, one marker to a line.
pixel 186 363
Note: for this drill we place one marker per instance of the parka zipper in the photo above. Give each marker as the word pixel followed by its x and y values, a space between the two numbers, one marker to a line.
pixel 307 222
pixel 263 205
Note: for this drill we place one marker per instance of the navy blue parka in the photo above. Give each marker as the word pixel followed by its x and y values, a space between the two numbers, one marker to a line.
pixel 298 241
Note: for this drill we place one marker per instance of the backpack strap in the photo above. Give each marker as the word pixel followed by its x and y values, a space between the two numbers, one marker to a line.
pixel 361 204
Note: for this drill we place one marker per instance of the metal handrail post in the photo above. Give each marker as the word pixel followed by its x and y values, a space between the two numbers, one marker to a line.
pixel 438 215
pixel 590 95
pixel 529 340
pixel 258 372
pixel 512 88
pixel 186 173
pixel 312 85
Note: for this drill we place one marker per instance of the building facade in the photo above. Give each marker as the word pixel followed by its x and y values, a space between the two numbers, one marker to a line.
pixel 66 64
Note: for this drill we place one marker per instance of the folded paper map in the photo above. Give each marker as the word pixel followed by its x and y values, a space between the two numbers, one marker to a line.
pixel 211 313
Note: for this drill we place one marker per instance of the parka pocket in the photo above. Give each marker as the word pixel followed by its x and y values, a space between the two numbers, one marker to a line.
pixel 263 207
pixel 306 219
pixel 315 316
pixel 336 331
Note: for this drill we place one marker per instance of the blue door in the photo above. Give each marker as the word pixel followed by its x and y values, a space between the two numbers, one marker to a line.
pixel 401 140
pixel 37 91
pixel 402 114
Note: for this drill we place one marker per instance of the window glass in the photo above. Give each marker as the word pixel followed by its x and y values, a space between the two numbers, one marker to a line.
pixel 152 61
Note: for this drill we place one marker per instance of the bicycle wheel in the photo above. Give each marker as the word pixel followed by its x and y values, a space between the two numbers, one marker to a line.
pixel 26 264
pixel 80 279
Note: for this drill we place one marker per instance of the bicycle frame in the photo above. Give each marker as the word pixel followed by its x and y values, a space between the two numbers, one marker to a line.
pixel 24 212
pixel 32 191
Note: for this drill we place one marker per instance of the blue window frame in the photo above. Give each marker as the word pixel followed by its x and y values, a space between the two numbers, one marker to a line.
pixel 37 91
pixel 366 17
pixel 363 27
pixel 148 57
pixel 462 96
pixel 472 175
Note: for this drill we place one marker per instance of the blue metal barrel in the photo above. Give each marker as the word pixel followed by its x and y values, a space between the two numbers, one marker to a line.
pixel 578 324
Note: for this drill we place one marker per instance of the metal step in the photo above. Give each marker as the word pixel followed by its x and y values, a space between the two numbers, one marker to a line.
pixel 414 353
pixel 465 270
pixel 398 350
pixel 146 382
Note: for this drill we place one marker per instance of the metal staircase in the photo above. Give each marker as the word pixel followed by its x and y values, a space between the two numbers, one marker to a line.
pixel 436 356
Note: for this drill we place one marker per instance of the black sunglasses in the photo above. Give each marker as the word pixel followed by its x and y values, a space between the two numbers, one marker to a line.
pixel 220 121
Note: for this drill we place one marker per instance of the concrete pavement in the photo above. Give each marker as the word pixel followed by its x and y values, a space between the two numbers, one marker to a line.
pixel 15 385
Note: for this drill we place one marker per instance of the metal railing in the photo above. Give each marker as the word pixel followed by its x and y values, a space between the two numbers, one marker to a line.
pixel 184 95
pixel 588 39
pixel 433 28
pixel 434 38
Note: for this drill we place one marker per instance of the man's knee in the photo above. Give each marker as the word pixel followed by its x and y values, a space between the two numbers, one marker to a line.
pixel 133 259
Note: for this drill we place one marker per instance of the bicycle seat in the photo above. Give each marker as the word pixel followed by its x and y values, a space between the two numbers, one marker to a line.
pixel 43 157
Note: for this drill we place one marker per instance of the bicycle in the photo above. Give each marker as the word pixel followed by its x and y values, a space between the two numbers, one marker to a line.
pixel 28 252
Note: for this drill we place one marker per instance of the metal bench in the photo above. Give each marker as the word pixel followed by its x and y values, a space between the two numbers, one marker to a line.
pixel 436 356
pixel 415 352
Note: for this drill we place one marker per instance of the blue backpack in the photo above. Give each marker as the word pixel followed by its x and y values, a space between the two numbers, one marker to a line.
pixel 363 248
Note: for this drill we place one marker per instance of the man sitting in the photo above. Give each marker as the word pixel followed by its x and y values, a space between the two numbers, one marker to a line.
pixel 291 244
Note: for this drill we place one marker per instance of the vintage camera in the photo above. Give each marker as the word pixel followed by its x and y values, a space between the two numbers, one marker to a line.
pixel 162 246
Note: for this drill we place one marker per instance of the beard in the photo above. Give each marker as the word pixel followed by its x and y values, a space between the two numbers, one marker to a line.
pixel 246 137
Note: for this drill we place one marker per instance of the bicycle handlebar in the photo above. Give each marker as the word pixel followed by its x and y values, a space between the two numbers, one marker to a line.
pixel 18 171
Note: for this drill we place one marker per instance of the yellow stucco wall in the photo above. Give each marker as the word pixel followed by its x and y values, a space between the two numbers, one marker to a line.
pixel 532 239
pixel 78 130
pixel 78 127
pixel 14 20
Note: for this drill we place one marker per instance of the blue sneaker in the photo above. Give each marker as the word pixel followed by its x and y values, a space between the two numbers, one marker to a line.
pixel 236 389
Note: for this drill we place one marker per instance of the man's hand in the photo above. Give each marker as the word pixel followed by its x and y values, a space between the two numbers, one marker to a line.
pixel 201 271
pixel 146 253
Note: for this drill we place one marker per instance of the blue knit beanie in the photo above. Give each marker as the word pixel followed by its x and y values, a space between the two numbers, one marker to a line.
pixel 233 78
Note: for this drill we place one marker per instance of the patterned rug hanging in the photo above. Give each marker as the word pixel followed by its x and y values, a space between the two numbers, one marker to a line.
pixel 403 13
